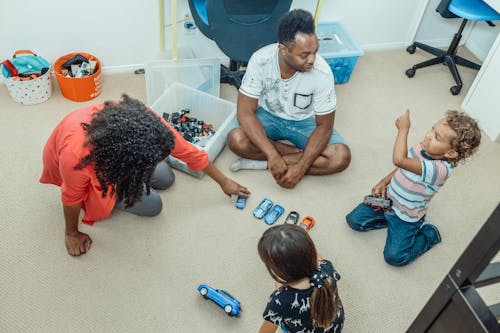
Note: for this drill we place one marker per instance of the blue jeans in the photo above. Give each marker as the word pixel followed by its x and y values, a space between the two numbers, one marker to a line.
pixel 295 131
pixel 405 240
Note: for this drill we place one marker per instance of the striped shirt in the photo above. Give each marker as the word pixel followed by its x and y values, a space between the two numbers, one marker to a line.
pixel 411 193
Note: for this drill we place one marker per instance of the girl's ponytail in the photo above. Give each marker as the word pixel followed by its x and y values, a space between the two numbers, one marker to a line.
pixel 325 303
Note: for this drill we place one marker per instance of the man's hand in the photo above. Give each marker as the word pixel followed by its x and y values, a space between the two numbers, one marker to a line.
pixel 277 166
pixel 77 243
pixel 292 176
pixel 230 187
pixel 403 121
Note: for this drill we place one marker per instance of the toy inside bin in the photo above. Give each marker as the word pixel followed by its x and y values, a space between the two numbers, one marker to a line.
pixel 82 88
pixel 221 114
pixel 339 50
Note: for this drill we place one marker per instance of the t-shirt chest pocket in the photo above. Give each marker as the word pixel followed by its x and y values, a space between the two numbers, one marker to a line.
pixel 302 101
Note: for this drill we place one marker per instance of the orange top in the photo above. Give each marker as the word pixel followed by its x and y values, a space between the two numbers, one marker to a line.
pixel 64 150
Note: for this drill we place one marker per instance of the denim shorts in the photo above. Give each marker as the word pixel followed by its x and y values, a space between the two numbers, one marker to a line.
pixel 295 131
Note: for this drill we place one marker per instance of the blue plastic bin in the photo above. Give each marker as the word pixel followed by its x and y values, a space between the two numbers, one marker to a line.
pixel 338 49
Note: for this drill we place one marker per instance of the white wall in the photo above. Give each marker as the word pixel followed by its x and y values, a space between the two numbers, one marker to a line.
pixel 481 38
pixel 125 34
pixel 118 32
pixel 377 25
pixel 434 29
pixel 374 25
pixel 482 99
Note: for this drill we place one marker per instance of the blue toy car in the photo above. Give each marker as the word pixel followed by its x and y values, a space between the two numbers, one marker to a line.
pixel 241 202
pixel 261 210
pixel 222 298
pixel 274 214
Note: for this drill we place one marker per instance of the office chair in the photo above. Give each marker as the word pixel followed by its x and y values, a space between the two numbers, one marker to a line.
pixel 475 10
pixel 239 28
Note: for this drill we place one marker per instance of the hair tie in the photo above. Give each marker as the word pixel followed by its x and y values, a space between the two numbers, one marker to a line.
pixel 318 279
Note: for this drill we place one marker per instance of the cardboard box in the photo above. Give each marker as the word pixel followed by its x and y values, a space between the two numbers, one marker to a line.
pixel 213 110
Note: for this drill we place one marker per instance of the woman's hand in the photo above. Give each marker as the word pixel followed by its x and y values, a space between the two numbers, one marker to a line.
pixel 230 187
pixel 77 243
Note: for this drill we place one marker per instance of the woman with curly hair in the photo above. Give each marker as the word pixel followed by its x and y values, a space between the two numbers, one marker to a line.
pixel 420 172
pixel 112 155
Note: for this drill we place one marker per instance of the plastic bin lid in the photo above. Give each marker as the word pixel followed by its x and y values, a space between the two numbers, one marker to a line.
pixel 334 41
pixel 201 74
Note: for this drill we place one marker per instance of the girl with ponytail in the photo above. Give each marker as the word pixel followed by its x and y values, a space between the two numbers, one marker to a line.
pixel 306 298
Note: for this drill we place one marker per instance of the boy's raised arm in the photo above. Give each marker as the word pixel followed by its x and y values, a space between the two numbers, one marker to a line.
pixel 400 152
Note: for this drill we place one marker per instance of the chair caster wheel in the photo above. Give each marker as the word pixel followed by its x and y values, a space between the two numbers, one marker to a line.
pixel 455 90
pixel 411 49
pixel 410 72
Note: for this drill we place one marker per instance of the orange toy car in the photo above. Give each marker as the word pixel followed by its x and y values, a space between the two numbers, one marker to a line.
pixel 307 223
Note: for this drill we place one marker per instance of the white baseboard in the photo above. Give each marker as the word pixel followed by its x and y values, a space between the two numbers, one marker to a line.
pixel 403 45
pixel 384 46
pixel 440 42
pixel 106 70
pixel 477 51
pixel 122 69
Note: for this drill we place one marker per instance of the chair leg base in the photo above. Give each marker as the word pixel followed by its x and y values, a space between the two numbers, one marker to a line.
pixel 231 76
pixel 448 58
pixel 430 49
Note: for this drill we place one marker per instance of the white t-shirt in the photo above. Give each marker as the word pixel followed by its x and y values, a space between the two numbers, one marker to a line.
pixel 303 95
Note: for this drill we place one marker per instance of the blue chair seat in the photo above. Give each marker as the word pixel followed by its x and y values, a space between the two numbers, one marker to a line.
pixel 473 10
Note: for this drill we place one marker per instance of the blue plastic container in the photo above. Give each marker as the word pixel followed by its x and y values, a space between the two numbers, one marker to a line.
pixel 338 49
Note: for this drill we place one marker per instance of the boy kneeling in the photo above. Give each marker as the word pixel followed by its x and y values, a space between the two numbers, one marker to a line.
pixel 421 172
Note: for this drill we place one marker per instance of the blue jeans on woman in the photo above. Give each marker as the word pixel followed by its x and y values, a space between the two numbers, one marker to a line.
pixel 405 240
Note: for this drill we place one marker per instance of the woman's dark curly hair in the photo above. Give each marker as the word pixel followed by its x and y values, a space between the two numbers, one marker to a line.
pixel 293 22
pixel 128 141
pixel 468 136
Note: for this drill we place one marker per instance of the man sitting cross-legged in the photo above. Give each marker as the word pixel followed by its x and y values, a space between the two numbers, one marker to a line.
pixel 288 93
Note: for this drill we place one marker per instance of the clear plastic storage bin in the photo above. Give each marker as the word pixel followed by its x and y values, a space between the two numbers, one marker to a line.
pixel 213 110
pixel 338 49
pixel 201 74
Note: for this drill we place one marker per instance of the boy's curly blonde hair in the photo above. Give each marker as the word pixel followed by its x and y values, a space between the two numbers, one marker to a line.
pixel 468 136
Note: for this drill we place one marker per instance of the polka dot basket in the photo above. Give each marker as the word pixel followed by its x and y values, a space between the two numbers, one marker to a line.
pixel 31 91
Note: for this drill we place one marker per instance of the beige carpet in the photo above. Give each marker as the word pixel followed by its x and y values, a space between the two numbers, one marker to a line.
pixel 141 274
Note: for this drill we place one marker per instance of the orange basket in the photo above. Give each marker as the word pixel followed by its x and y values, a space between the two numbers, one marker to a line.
pixel 78 89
